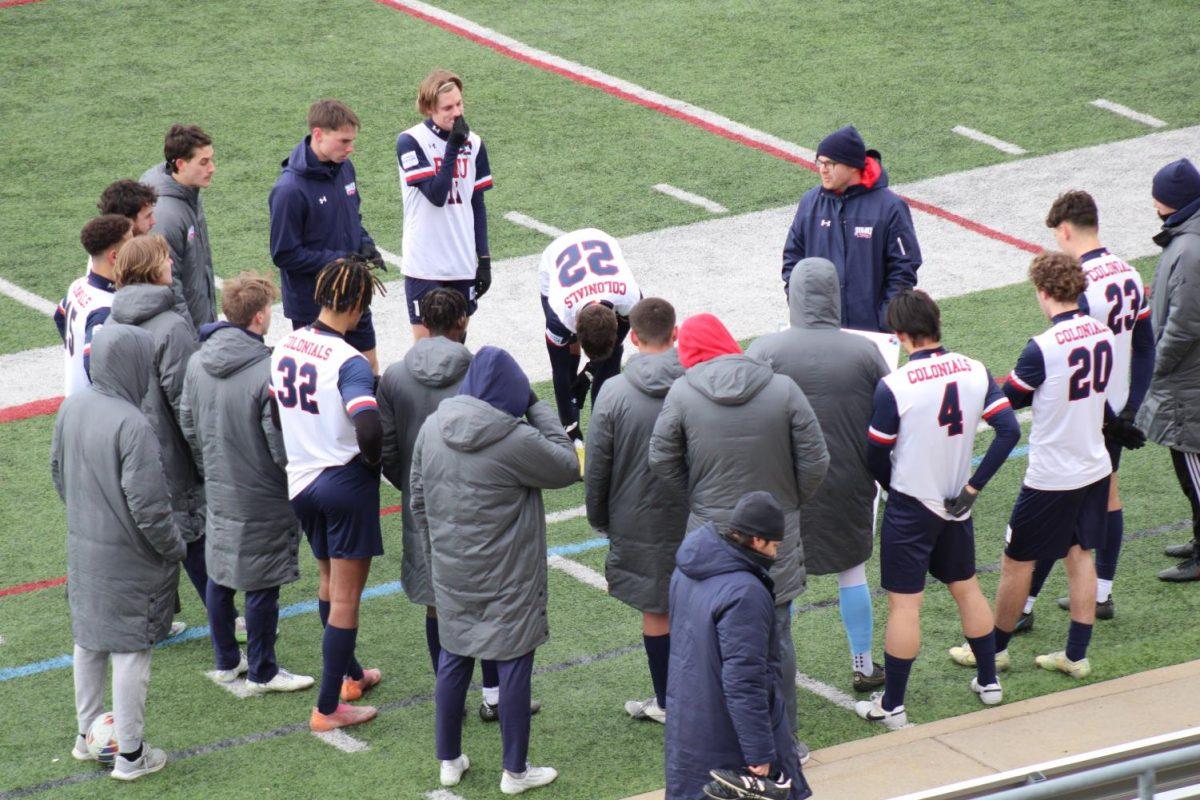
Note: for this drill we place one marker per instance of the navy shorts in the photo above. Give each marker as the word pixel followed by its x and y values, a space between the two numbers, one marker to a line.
pixel 914 541
pixel 416 288
pixel 362 338
pixel 339 512
pixel 1046 524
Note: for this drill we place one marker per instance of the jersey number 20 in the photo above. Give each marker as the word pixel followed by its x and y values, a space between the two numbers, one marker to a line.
pixel 304 391
pixel 1092 370
pixel 599 261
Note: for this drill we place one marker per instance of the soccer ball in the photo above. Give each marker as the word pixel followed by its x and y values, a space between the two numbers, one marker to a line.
pixel 102 739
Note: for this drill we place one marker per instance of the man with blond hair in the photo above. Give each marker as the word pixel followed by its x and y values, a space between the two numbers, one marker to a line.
pixel 444 172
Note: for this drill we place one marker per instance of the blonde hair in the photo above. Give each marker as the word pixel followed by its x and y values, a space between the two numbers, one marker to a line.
pixel 435 83
pixel 244 296
pixel 140 259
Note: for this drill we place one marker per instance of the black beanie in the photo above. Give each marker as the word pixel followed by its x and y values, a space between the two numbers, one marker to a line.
pixel 844 146
pixel 1176 184
pixel 758 514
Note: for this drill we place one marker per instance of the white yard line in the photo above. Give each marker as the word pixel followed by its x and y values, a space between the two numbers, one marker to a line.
pixel 236 687
pixel 391 259
pixel 342 741
pixel 824 690
pixel 27 298
pixel 1126 111
pixel 567 514
pixel 688 197
pixel 983 138
pixel 579 572
pixel 442 794
pixel 525 221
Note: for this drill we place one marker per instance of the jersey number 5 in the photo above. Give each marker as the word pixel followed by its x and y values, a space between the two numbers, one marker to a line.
pixel 599 261
pixel 308 384
pixel 950 415
pixel 1092 370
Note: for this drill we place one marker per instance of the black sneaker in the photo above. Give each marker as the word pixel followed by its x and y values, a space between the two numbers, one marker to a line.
pixel 1024 624
pixel 491 713
pixel 865 683
pixel 1182 573
pixel 1104 610
pixel 749 786
pixel 1186 550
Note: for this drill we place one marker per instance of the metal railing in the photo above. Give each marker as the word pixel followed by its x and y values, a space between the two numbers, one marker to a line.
pixel 1146 769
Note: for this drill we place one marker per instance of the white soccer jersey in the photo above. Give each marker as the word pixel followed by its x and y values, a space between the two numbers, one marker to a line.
pixel 1116 296
pixel 1068 369
pixel 319 383
pixel 81 313
pixel 582 267
pixel 439 241
pixel 929 421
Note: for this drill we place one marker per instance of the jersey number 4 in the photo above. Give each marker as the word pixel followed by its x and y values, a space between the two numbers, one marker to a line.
pixel 599 261
pixel 303 391
pixel 1092 370
pixel 950 415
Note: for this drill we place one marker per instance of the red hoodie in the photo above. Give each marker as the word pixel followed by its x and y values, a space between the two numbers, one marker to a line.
pixel 704 337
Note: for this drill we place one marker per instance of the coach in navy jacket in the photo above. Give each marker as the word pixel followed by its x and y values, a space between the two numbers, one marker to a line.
pixel 860 225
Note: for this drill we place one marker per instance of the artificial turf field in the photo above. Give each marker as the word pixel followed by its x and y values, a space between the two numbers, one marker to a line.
pixel 89 88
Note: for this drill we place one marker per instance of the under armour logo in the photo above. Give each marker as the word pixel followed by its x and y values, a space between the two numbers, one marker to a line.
pixel 825 223
pixel 321 200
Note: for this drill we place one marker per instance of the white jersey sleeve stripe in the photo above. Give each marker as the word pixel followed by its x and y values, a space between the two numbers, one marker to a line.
pixel 996 407
pixel 483 182
pixel 360 403
pixel 880 437
pixel 413 177
pixel 1020 384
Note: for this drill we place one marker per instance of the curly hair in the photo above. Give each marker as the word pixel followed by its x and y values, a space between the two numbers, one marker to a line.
pixel 104 232
pixel 442 309
pixel 1058 275
pixel 1075 207
pixel 127 198
pixel 182 141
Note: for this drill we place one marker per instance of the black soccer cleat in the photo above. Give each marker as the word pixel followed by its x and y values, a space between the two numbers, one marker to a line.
pixel 1182 573
pixel 748 786
pixel 1104 610
pixel 865 683
pixel 1185 550
pixel 1024 624
pixel 491 713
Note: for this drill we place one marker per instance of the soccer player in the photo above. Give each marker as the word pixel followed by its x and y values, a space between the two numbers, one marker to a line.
pixel 1115 296
pixel 179 218
pixel 88 300
pixel 315 218
pixel 587 291
pixel 324 393
pixel 1064 373
pixel 130 199
pixel 920 441
pixel 644 517
pixel 444 172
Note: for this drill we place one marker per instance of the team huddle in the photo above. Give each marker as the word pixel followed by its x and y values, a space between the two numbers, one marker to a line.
pixel 721 478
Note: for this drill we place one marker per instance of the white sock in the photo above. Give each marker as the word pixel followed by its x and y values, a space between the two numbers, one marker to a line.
pixel 863 664
pixel 491 695
pixel 1029 603
pixel 1103 590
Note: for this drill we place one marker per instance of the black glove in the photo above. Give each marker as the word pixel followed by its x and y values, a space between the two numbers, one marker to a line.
pixel 580 389
pixel 957 506
pixel 458 134
pixel 483 276
pixel 1123 431
pixel 372 255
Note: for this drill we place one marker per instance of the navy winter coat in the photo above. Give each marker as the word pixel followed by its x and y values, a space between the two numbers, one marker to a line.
pixel 867 232
pixel 315 219
pixel 724 702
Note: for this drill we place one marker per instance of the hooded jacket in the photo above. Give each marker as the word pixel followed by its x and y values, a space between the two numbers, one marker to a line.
pixel 731 426
pixel 252 537
pixel 1170 414
pixel 475 492
pixel 179 217
pixel 723 691
pixel 867 232
pixel 838 373
pixel 151 308
pixel 123 551
pixel 645 516
pixel 315 219
pixel 409 392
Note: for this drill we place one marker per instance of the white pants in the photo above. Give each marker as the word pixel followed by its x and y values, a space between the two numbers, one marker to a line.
pixel 130 681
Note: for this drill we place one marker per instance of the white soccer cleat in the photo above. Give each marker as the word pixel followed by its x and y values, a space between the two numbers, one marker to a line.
pixel 177 627
pixel 872 711
pixel 152 760
pixel 965 657
pixel 1058 662
pixel 283 681
pixel 990 695
pixel 533 778
pixel 230 675
pixel 80 751
pixel 452 771
pixel 646 709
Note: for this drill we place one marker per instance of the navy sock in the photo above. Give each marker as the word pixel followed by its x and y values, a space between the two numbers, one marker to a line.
pixel 1110 549
pixel 336 647
pixel 895 672
pixel 658 654
pixel 1078 637
pixel 491 675
pixel 323 609
pixel 984 648
pixel 1002 638
pixel 433 640
pixel 135 755
pixel 1041 571
pixel 353 668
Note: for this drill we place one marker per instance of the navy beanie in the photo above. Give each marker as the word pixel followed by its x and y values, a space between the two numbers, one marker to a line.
pixel 844 146
pixel 758 514
pixel 1177 184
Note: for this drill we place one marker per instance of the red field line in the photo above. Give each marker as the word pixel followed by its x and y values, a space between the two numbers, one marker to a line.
pixel 38 407
pixel 10 3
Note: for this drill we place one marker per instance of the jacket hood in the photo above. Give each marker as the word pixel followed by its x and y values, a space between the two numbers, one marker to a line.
pixel 704 554
pixel 495 378
pixel 133 305
pixel 814 296
pixel 653 375
pixel 165 184
pixel 227 349
pixel 730 380
pixel 436 361
pixel 703 337
pixel 304 162
pixel 122 359
pixel 468 424
pixel 874 177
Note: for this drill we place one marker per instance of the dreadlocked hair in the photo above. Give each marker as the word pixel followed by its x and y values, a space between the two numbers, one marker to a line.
pixel 347 284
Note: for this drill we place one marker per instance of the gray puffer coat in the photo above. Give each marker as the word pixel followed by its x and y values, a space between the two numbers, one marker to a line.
pixel 477 476
pixel 252 537
pixel 151 308
pixel 408 393
pixel 179 218
pixel 838 372
pixel 732 426
pixel 123 551
pixel 645 516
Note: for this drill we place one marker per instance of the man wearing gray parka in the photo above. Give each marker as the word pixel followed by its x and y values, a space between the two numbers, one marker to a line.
pixel 838 372
pixel 123 551
pixel 478 468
